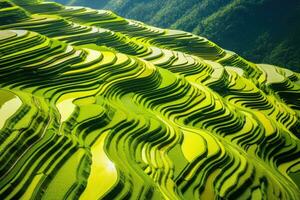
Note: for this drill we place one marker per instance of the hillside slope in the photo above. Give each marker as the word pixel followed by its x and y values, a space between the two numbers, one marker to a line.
pixel 260 30
pixel 97 106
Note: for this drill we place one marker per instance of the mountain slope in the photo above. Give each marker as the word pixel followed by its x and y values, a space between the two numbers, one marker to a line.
pixel 261 30
pixel 97 106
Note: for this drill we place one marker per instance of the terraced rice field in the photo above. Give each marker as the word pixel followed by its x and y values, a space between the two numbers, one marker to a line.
pixel 95 106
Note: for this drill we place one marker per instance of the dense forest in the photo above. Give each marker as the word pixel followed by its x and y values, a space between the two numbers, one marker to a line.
pixel 260 30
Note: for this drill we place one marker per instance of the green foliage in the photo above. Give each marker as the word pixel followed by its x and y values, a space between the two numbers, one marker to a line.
pixel 5 4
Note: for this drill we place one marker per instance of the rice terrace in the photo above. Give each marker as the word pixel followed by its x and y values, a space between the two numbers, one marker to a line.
pixel 97 106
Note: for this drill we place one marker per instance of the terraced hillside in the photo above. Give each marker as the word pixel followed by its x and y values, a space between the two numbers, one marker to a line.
pixel 96 106
pixel 260 30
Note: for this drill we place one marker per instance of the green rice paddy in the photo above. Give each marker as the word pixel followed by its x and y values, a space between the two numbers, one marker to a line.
pixel 96 106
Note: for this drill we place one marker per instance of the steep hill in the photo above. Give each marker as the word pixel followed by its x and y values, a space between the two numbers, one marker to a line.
pixel 97 106
pixel 260 30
